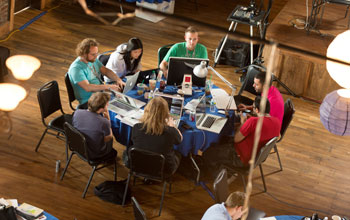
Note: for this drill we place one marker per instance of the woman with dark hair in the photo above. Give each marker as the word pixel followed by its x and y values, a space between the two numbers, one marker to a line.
pixel 157 133
pixel 126 60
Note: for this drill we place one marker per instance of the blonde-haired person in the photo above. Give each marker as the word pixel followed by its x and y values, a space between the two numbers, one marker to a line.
pixel 85 73
pixel 157 133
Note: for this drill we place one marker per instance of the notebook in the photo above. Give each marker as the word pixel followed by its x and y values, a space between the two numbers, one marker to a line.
pixel 175 104
pixel 210 122
pixel 124 105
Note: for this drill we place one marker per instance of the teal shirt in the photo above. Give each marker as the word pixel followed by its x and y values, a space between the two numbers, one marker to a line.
pixel 180 50
pixel 80 71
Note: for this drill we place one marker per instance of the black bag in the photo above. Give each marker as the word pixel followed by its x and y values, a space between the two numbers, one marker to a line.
pixel 234 53
pixel 7 213
pixel 113 191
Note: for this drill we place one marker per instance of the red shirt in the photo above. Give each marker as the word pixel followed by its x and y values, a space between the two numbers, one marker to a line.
pixel 271 128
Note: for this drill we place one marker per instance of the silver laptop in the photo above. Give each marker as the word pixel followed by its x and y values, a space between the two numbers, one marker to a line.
pixel 175 104
pixel 130 82
pixel 210 122
pixel 124 105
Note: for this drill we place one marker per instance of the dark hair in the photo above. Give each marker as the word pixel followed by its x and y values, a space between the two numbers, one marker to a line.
pixel 98 100
pixel 257 102
pixel 133 44
pixel 84 46
pixel 261 76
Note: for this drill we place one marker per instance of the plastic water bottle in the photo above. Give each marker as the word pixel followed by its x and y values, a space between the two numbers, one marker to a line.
pixel 212 105
pixel 153 75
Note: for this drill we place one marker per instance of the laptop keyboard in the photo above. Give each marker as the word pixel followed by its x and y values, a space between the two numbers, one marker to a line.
pixel 122 106
pixel 209 121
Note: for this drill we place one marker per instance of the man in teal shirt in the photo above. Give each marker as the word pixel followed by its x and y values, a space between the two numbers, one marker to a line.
pixel 85 73
pixel 190 48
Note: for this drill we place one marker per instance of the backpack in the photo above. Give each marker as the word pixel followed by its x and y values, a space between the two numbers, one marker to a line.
pixel 113 191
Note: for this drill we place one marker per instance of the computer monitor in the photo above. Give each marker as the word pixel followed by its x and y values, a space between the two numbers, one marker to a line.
pixel 178 66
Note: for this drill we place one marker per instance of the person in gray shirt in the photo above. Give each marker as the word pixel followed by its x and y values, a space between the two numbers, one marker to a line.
pixel 94 124
pixel 231 209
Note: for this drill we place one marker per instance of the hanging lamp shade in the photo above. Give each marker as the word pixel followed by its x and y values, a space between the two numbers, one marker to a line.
pixel 335 112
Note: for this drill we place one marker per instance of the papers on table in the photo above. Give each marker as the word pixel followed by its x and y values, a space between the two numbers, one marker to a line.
pixel 221 99
pixel 131 119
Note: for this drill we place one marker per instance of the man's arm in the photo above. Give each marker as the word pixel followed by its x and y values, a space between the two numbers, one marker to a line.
pixel 109 137
pixel 164 67
pixel 110 74
pixel 95 88
pixel 239 137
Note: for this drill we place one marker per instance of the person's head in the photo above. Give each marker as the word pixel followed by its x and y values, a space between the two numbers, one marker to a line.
pixel 259 80
pixel 134 51
pixel 98 102
pixel 257 107
pixel 155 116
pixel 234 204
pixel 88 49
pixel 191 37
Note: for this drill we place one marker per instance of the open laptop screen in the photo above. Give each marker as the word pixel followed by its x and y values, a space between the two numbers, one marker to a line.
pixel 175 104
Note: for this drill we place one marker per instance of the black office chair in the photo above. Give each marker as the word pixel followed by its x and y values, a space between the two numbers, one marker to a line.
pixel 289 111
pixel 149 165
pixel 70 91
pixel 261 157
pixel 77 145
pixel 162 51
pixel 221 187
pixel 104 57
pixel 139 214
pixel 50 102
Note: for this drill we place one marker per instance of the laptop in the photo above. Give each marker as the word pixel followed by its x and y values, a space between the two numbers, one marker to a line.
pixel 130 82
pixel 210 122
pixel 124 105
pixel 175 104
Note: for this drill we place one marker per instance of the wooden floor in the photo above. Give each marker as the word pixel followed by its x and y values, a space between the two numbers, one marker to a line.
pixel 316 163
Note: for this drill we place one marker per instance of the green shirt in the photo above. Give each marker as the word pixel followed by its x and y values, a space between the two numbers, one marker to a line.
pixel 180 50
pixel 80 71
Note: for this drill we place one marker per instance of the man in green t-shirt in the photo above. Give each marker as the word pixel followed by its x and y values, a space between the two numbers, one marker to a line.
pixel 85 73
pixel 190 48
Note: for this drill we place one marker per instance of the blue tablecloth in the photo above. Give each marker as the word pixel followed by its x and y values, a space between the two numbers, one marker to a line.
pixel 193 139
pixel 289 217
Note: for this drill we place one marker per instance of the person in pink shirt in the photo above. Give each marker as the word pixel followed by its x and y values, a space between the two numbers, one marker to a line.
pixel 274 96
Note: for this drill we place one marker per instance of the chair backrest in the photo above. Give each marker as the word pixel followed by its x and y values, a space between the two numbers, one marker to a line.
pixel 162 51
pixel 221 187
pixel 248 82
pixel 139 214
pixel 49 99
pixel 76 141
pixel 255 214
pixel 287 117
pixel 104 58
pixel 265 151
pixel 147 164
pixel 70 91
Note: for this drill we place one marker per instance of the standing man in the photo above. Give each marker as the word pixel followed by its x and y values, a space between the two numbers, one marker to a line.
pixel 85 73
pixel 95 124
pixel 244 139
pixel 274 96
pixel 190 48
pixel 231 209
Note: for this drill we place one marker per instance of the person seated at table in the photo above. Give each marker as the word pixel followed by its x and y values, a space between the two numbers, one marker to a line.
pixel 274 96
pixel 85 73
pixel 244 138
pixel 126 59
pixel 157 133
pixel 230 209
pixel 94 124
pixel 190 48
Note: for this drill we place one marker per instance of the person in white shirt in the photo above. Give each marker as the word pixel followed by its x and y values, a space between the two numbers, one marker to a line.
pixel 231 209
pixel 126 60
